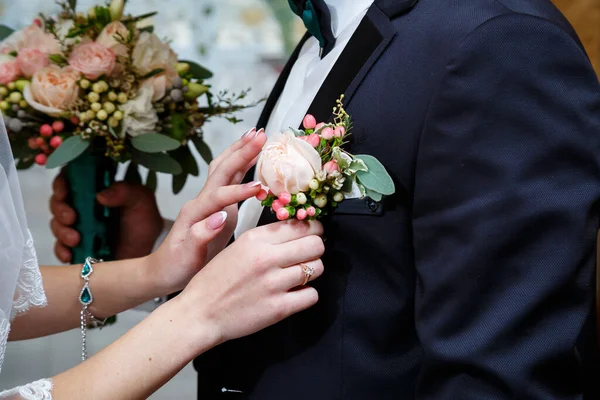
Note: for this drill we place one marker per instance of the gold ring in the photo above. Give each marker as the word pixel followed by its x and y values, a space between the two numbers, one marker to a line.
pixel 308 272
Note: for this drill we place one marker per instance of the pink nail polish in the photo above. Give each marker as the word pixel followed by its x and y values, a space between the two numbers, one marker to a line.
pixel 253 184
pixel 248 133
pixel 217 220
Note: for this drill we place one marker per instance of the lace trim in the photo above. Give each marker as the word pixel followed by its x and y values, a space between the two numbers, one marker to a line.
pixel 4 330
pixel 30 288
pixel 40 390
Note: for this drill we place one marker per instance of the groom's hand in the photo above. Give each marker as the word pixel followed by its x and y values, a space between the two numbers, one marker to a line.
pixel 140 220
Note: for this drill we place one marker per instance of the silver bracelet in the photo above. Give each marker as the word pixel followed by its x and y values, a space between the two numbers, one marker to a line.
pixel 86 299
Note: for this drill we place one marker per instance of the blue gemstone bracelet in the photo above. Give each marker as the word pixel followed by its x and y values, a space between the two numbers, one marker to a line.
pixel 86 299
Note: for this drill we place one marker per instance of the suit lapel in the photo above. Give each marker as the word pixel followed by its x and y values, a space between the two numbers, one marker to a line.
pixel 368 43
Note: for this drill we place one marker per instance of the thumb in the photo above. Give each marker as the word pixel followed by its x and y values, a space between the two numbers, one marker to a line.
pixel 206 230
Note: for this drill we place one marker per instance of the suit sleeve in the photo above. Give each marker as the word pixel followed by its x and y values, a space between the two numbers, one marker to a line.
pixel 505 215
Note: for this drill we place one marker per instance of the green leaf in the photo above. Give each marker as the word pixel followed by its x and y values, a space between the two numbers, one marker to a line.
pixel 197 70
pixel 342 159
pixel 159 162
pixel 149 29
pixel 187 160
pixel 58 59
pixel 71 148
pixel 203 149
pixel 141 17
pixel 103 16
pixel 25 163
pixel 133 174
pixel 357 165
pixel 151 181
pixel 179 182
pixel 154 143
pixel 73 4
pixel 376 178
pixel 374 195
pixel 153 73
pixel 5 32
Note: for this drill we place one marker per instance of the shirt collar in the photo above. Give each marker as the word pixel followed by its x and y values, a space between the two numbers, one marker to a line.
pixel 343 12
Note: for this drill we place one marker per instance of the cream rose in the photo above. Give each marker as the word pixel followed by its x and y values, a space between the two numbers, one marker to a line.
pixel 53 90
pixel 287 164
pixel 150 53
pixel 32 60
pixel 9 69
pixel 139 114
pixel 112 36
pixel 93 60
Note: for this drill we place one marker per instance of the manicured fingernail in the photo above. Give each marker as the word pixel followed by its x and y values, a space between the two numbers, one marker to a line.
pixel 108 193
pixel 217 220
pixel 259 132
pixel 248 133
pixel 253 184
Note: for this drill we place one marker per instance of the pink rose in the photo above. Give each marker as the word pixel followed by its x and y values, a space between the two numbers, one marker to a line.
pixel 9 70
pixel 34 37
pixel 32 60
pixel 112 36
pixel 93 60
pixel 53 90
pixel 288 164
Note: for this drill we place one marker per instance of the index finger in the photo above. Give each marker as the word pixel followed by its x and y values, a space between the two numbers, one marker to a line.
pixel 239 161
pixel 288 231
pixel 60 188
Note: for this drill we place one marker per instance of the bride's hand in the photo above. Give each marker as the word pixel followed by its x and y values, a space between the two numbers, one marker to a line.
pixel 255 282
pixel 185 250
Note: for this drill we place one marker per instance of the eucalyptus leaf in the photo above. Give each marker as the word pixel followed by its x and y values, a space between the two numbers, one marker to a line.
pixel 154 143
pixel 342 158
pixel 374 195
pixel 187 160
pixel 376 178
pixel 179 182
pixel 203 149
pixel 357 165
pixel 133 174
pixel 158 162
pixel 198 71
pixel 69 150
pixel 5 32
pixel 151 181
pixel 297 132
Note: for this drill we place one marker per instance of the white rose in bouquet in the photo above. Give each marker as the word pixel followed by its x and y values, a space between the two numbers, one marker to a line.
pixel 139 114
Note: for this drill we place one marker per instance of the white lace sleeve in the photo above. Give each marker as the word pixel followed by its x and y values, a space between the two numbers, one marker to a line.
pixel 40 390
pixel 30 290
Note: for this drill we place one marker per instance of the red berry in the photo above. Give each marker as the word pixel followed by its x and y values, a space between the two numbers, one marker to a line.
pixel 41 159
pixel 58 126
pixel 327 133
pixel 277 205
pixel 262 195
pixel 311 211
pixel 283 214
pixel 309 122
pixel 285 198
pixel 339 132
pixel 75 120
pixel 55 142
pixel 38 22
pixel 319 126
pixel 314 140
pixel 46 130
pixel 33 144
pixel 40 141
pixel 301 214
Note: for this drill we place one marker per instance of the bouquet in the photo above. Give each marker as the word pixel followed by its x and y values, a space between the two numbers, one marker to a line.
pixel 306 173
pixel 91 90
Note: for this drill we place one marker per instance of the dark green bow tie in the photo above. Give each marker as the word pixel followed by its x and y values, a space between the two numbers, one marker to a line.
pixel 317 19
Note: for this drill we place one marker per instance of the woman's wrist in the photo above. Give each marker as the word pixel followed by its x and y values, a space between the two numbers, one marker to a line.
pixel 191 323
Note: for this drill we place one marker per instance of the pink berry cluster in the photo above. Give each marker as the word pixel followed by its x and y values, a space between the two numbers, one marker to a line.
pixel 49 139
pixel 287 206
pixel 317 134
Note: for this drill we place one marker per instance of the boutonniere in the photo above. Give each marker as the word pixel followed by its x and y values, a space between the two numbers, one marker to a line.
pixel 306 173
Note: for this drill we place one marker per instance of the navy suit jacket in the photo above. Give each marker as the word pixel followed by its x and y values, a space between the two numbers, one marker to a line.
pixel 476 279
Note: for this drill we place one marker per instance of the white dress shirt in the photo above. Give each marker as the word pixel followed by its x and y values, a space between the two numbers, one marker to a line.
pixel 306 78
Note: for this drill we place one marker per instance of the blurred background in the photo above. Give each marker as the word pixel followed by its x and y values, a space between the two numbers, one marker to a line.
pixel 245 43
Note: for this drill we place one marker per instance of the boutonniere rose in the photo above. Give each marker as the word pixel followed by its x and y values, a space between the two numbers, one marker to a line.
pixel 306 173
